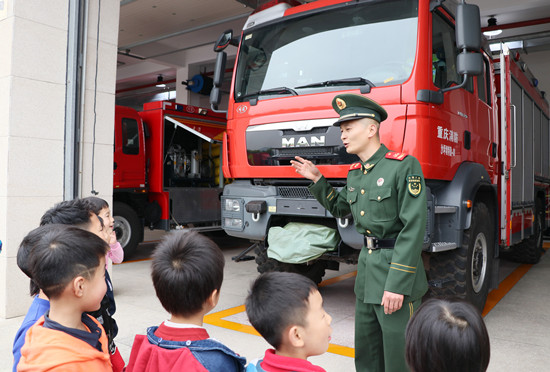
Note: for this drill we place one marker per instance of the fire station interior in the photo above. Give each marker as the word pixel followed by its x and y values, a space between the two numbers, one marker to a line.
pixel 165 53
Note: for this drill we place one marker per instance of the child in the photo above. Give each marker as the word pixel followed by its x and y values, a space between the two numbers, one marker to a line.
pixel 67 263
pixel 101 208
pixel 71 212
pixel 287 310
pixel 447 336
pixel 187 273
pixel 115 254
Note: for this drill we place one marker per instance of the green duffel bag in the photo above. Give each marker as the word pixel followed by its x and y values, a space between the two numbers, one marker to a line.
pixel 299 243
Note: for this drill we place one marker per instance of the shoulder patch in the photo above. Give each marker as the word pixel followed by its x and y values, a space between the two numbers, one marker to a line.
pixel 396 155
pixel 355 166
pixel 414 184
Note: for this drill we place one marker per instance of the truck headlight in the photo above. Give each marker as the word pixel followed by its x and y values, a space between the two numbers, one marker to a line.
pixel 232 205
pixel 235 223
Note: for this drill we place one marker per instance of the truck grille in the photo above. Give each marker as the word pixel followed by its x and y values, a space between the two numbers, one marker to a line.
pixel 305 151
pixel 295 192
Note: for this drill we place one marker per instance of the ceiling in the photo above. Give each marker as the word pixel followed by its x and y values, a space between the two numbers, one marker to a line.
pixel 157 37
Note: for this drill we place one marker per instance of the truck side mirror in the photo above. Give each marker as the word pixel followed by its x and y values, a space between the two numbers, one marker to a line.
pixel 468 40
pixel 468 27
pixel 224 41
pixel 469 63
pixel 215 94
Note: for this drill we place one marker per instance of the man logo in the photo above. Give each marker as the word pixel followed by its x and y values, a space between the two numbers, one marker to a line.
pixel 242 109
pixel 303 141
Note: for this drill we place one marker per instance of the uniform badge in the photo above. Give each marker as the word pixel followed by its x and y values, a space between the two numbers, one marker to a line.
pixel 340 103
pixel 351 189
pixel 414 184
pixel 380 181
pixel 355 166
pixel 396 156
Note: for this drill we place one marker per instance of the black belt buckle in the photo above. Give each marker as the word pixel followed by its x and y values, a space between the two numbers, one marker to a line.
pixel 371 242
pixel 374 243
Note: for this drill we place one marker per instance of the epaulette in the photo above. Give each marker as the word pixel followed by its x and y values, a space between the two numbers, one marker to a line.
pixel 396 156
pixel 355 166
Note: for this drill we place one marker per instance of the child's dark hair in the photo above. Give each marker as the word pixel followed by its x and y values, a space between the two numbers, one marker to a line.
pixel 25 250
pixel 62 254
pixel 447 336
pixel 276 301
pixel 74 212
pixel 96 204
pixel 186 268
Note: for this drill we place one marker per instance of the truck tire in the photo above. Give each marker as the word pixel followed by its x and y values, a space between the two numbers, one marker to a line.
pixel 529 251
pixel 128 227
pixel 314 271
pixel 466 271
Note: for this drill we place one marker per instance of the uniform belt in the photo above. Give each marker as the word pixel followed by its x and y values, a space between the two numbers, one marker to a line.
pixel 375 243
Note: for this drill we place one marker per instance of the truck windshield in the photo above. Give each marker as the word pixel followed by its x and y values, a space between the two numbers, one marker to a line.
pixel 325 50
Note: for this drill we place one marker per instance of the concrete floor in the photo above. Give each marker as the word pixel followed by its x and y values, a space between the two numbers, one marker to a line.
pixel 518 325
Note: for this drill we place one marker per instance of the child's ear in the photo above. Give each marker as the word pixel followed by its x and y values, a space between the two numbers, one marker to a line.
pixel 77 286
pixel 295 336
pixel 214 298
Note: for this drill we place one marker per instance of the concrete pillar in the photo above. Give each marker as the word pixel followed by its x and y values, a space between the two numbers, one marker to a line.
pixel 33 65
pixel 182 94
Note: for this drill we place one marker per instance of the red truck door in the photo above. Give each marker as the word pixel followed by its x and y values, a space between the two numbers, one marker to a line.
pixel 129 155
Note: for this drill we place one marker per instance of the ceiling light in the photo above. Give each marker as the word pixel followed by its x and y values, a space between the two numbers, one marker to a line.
pixel 160 82
pixel 492 22
pixel 495 47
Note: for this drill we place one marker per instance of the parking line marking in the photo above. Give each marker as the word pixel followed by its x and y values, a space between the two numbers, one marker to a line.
pixel 216 319
pixel 507 284
pixel 337 279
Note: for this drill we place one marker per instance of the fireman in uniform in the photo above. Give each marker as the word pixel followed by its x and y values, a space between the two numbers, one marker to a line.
pixel 385 193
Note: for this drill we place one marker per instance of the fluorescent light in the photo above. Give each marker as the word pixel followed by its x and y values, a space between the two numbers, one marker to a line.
pixel 492 33
pixel 492 22
pixel 160 82
pixel 495 47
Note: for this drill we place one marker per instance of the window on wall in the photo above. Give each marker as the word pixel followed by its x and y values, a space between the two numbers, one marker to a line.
pixel 444 53
pixel 130 137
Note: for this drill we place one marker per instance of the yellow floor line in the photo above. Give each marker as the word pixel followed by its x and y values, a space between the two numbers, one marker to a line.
pixel 217 319
pixel 507 284
pixel 504 287
pixel 337 279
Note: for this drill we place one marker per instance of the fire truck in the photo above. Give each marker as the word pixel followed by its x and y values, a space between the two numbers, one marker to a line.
pixel 478 125
pixel 167 171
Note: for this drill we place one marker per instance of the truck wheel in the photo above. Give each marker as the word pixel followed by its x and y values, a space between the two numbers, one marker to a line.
pixel 128 228
pixel 314 271
pixel 466 271
pixel 529 251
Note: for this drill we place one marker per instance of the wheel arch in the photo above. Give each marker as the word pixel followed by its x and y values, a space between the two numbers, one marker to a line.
pixel 471 182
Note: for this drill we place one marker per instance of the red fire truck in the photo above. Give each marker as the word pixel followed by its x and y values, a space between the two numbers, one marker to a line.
pixel 166 169
pixel 477 124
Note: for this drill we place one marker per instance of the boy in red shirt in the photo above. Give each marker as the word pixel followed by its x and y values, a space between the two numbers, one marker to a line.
pixel 287 310
pixel 187 272
pixel 68 265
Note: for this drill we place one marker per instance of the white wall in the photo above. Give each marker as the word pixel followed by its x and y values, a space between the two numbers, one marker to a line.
pixel 33 61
